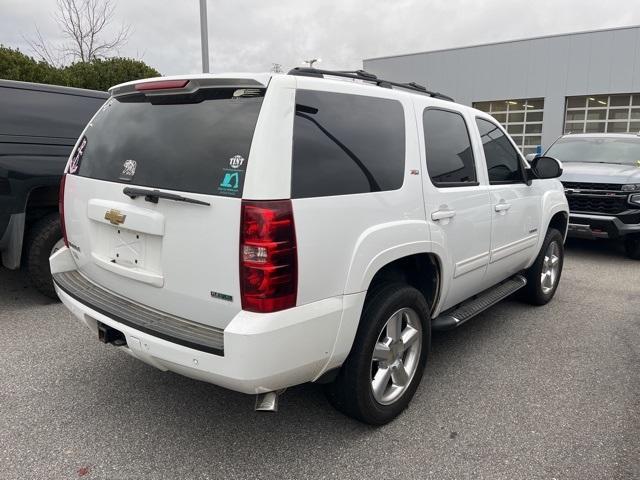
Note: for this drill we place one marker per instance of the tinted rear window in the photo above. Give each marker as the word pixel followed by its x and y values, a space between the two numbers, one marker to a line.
pixel 345 144
pixel 194 144
pixel 45 114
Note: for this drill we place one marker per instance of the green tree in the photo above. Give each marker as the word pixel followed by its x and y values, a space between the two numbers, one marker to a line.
pixel 102 74
pixel 15 65
pixel 96 75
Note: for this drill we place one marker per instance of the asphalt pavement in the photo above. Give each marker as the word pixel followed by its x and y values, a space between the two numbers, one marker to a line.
pixel 517 393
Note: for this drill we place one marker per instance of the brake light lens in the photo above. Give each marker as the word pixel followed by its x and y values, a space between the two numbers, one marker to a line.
pixel 161 85
pixel 268 256
pixel 63 226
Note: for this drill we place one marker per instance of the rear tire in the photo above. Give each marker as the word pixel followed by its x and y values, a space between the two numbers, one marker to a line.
pixel 543 276
pixel 632 246
pixel 389 351
pixel 43 236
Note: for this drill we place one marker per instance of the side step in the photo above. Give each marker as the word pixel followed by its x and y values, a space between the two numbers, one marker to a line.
pixel 470 308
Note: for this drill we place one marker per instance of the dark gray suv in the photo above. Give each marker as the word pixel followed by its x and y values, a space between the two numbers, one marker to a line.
pixel 602 184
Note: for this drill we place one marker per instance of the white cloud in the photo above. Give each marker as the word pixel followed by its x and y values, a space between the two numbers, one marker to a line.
pixel 249 35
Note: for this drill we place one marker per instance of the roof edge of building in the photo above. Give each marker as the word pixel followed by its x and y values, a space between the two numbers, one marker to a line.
pixel 464 47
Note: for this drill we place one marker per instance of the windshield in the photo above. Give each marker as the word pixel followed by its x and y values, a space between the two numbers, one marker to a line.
pixel 192 143
pixel 625 151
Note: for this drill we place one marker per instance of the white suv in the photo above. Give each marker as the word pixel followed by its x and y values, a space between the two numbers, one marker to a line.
pixel 259 232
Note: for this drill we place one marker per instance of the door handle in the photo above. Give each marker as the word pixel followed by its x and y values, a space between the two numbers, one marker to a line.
pixel 442 214
pixel 502 207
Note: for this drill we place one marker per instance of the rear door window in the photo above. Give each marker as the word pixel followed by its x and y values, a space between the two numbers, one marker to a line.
pixel 450 161
pixel 345 144
pixel 198 143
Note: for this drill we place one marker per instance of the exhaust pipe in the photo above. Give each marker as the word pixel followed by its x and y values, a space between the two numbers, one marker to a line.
pixel 268 402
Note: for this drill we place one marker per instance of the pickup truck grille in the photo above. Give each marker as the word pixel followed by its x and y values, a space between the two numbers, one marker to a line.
pixel 604 198
pixel 154 322
pixel 609 205
pixel 610 187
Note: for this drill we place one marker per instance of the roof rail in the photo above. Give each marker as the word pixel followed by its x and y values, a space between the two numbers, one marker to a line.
pixel 367 77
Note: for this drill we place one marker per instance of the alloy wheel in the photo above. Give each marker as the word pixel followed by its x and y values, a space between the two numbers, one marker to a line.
pixel 396 356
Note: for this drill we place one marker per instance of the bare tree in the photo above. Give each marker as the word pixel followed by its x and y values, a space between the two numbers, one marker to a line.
pixel 83 23
pixel 276 68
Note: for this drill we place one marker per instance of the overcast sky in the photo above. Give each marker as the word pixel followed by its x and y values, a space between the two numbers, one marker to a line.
pixel 250 35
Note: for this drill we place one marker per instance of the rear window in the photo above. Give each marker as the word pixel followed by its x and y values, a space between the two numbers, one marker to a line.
pixel 45 114
pixel 196 143
pixel 345 144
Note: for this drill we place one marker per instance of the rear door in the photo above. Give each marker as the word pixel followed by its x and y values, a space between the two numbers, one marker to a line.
pixel 179 257
pixel 515 205
pixel 457 204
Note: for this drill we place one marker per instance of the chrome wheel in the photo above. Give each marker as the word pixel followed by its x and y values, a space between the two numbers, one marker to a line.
pixel 396 356
pixel 57 246
pixel 550 268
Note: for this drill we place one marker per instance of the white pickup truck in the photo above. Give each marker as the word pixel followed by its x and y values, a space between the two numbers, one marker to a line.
pixel 258 231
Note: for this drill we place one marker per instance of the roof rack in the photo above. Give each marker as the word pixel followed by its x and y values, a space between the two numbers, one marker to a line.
pixel 367 77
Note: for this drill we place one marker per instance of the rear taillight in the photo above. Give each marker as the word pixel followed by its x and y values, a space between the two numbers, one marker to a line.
pixel 268 256
pixel 61 208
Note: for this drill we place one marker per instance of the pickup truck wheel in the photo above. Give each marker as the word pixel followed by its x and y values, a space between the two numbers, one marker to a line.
pixel 544 275
pixel 632 246
pixel 386 363
pixel 43 239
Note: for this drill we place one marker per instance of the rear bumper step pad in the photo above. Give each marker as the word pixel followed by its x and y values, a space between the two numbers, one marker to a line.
pixel 154 322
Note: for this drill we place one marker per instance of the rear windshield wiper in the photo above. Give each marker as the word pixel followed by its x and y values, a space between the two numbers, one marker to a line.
pixel 153 196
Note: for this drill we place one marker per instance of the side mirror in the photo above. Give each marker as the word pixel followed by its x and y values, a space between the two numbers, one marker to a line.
pixel 545 167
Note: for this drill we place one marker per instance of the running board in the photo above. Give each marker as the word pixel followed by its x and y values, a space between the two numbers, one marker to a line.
pixel 470 308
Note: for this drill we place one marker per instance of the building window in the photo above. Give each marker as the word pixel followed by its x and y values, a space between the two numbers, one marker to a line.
pixel 602 114
pixel 521 118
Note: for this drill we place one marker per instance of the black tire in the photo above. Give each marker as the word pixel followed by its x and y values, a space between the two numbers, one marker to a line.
pixel 351 392
pixel 632 246
pixel 41 238
pixel 533 293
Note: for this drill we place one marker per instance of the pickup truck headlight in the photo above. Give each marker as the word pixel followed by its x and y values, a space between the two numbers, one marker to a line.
pixel 632 187
pixel 635 199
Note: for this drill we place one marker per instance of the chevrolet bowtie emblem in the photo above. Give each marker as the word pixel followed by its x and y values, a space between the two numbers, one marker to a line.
pixel 115 217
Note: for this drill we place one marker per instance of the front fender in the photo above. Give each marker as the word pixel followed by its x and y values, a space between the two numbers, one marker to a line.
pixel 553 202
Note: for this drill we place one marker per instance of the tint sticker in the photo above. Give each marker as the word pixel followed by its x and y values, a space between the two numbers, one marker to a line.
pixel 77 156
pixel 236 161
pixel 230 181
pixel 128 170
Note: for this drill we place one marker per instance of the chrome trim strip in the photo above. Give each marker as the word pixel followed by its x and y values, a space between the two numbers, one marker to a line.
pixel 512 248
pixel 471 264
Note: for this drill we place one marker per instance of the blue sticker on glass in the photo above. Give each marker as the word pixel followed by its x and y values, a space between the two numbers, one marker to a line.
pixel 230 183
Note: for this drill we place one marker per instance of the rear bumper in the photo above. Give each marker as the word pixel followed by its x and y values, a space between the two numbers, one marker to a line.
pixel 599 226
pixel 262 352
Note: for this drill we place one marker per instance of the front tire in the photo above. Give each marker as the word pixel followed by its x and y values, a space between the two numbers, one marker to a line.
pixel 44 237
pixel 632 246
pixel 386 363
pixel 543 276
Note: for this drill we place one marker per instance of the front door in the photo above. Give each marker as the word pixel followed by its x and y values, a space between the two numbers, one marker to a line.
pixel 515 206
